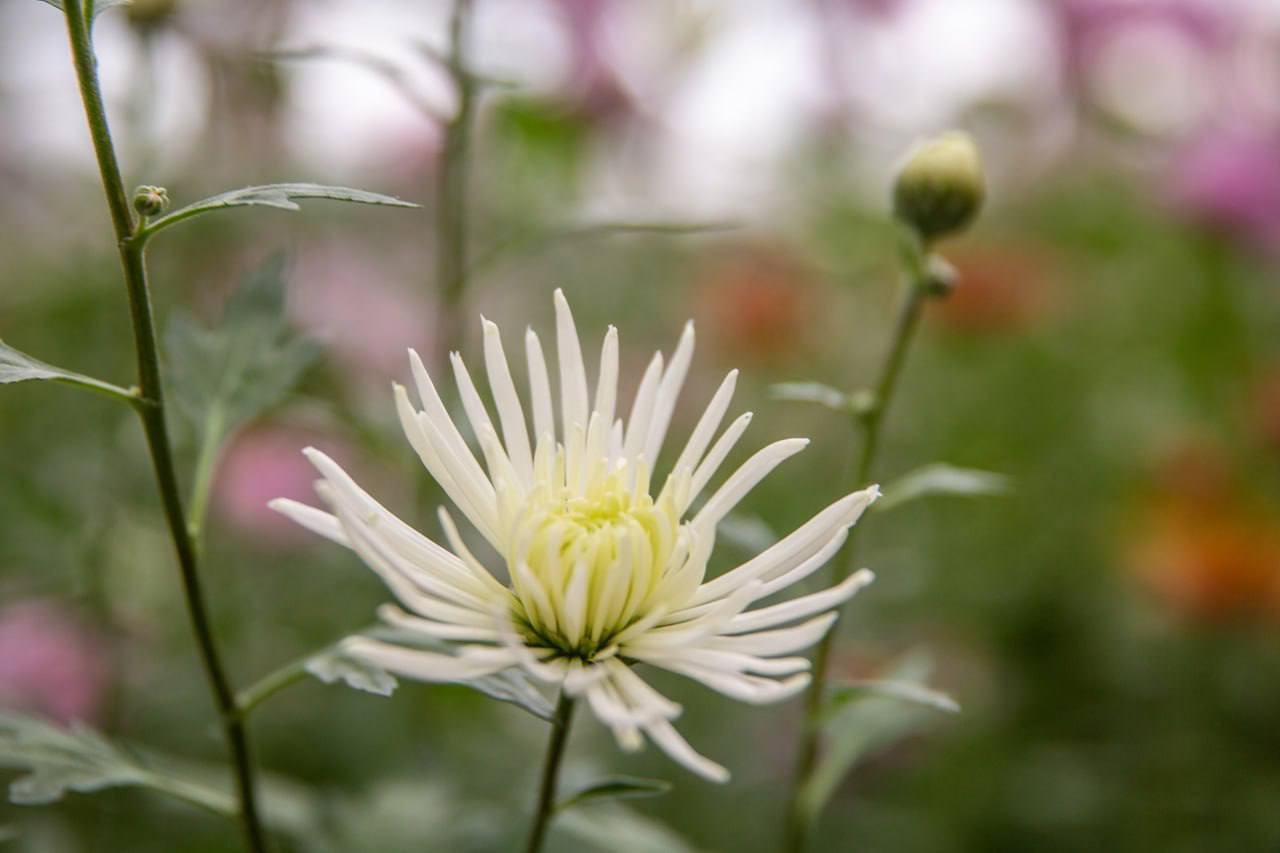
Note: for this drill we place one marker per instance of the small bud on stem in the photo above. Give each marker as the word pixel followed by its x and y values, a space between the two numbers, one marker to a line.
pixel 150 201
pixel 940 186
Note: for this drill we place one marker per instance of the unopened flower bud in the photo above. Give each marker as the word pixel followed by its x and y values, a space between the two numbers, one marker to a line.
pixel 150 201
pixel 940 186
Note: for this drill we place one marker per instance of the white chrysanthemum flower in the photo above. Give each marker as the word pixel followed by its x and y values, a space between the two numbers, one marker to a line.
pixel 602 573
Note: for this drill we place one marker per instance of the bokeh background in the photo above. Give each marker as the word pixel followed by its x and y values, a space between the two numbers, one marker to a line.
pixel 1111 627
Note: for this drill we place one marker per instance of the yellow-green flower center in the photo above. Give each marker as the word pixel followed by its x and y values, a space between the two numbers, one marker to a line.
pixel 586 562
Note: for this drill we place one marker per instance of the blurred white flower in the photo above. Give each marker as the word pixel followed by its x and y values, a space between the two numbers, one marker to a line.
pixel 604 571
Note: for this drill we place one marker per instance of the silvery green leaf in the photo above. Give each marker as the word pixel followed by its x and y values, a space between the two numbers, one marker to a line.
pixel 509 685
pixel 862 727
pixel 942 479
pixel 333 665
pixel 813 392
pixel 615 828
pixel 279 196
pixel 99 6
pixel 17 366
pixel 842 694
pixel 59 760
pixel 228 375
pixel 615 788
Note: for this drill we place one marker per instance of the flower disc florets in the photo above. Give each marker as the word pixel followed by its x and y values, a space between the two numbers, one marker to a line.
pixel 590 562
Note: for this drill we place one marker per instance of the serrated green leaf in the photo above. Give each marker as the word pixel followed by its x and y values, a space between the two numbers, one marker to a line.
pixel 942 479
pixel 222 378
pixel 864 727
pixel 17 366
pixel 615 788
pixel 99 6
pixel 812 392
pixel 59 760
pixel 332 666
pixel 279 196
pixel 511 685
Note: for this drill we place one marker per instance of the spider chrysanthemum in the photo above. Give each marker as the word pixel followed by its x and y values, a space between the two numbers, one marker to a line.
pixel 601 571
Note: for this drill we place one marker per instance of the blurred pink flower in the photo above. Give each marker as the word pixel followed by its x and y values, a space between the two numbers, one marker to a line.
pixel 262 464
pixel 593 85
pixel 50 663
pixel 1230 179
pixel 366 322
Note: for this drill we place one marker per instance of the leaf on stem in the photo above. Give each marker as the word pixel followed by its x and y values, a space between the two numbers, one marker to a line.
pixel 942 479
pixel 813 392
pixel 17 366
pixel 906 691
pixel 280 196
pixel 99 6
pixel 335 664
pixel 865 721
pixel 228 375
pixel 60 760
pixel 615 788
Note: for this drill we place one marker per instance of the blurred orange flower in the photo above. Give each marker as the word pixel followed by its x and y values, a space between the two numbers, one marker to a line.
pixel 998 289
pixel 1203 548
pixel 758 300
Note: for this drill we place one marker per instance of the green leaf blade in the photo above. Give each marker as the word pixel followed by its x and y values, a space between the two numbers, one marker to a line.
pixel 17 366
pixel 813 392
pixel 615 788
pixel 942 479
pixel 284 196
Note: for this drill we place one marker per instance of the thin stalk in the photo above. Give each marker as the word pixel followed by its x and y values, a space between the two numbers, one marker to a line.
pixel 452 186
pixel 869 423
pixel 550 773
pixel 151 410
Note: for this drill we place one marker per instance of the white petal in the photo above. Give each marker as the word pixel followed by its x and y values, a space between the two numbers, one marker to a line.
pixel 778 614
pixel 418 664
pixel 315 520
pixel 573 375
pixel 755 469
pixel 606 399
pixel 706 426
pixel 642 409
pixel 794 548
pixel 539 388
pixel 677 748
pixel 709 465
pixel 668 392
pixel 515 435
pixel 782 641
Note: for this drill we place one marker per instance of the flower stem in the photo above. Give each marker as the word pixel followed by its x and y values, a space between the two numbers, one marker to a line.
pixel 151 410
pixel 451 186
pixel 551 772
pixel 800 814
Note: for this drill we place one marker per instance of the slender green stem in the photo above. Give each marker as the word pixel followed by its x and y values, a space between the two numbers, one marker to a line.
pixel 152 413
pixel 800 817
pixel 550 773
pixel 211 435
pixel 271 684
pixel 452 185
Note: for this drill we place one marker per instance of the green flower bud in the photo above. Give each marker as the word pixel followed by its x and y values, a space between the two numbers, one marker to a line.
pixel 150 201
pixel 940 186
